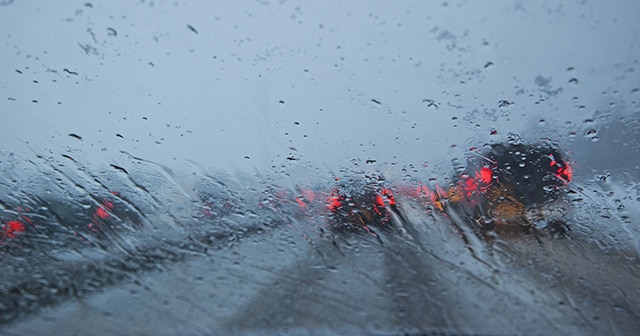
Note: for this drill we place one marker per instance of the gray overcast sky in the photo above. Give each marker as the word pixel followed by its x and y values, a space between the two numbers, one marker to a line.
pixel 213 95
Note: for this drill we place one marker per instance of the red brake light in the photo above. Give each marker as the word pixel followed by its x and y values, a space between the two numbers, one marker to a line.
pixel 565 173
pixel 563 170
pixel 12 228
pixel 485 175
pixel 103 210
pixel 334 203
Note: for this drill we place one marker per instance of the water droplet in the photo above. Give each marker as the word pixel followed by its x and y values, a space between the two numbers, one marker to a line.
pixel 504 103
pixel 430 103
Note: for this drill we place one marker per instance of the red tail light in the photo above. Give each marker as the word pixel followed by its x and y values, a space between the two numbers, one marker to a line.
pixel 563 170
pixel 477 184
pixel 485 175
pixel 101 213
pixel 361 205
pixel 13 228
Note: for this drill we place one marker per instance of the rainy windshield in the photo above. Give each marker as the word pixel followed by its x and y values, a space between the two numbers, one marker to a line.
pixel 288 167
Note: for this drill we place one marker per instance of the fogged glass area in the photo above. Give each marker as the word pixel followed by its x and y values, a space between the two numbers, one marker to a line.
pixel 298 167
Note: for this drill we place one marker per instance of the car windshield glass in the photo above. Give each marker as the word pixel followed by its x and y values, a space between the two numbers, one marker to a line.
pixel 367 167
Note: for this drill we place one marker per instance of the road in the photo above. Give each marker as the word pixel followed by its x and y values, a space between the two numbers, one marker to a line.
pixel 290 277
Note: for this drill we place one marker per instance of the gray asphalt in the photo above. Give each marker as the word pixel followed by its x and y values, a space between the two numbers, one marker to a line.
pixel 422 278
